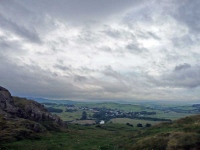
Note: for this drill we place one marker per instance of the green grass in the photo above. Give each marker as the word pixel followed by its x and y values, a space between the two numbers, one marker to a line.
pixel 181 134
pixel 84 122
pixel 170 115
pixel 133 121
pixel 69 116
pixel 18 129
pixel 78 138
pixel 109 105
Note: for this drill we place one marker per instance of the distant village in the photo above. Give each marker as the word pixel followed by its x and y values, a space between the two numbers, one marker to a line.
pixel 105 114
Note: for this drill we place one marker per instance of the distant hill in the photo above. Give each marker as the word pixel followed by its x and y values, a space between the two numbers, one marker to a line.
pixel 21 118
pixel 44 100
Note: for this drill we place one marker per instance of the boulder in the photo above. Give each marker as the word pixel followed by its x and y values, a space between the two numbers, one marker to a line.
pixel 7 102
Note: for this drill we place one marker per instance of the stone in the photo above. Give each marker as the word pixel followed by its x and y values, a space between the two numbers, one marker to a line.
pixel 27 109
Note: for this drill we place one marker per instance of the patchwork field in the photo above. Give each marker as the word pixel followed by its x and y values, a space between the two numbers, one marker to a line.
pixel 170 115
pixel 69 116
pixel 133 121
pixel 84 122
pixel 171 112
pixel 110 105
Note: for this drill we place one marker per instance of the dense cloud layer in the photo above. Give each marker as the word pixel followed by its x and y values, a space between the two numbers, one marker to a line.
pixel 101 50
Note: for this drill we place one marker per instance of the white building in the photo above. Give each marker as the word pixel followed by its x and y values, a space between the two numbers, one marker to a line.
pixel 102 122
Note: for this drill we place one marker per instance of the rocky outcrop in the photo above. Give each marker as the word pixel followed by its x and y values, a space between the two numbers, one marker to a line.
pixel 7 102
pixel 32 110
pixel 20 117
pixel 27 109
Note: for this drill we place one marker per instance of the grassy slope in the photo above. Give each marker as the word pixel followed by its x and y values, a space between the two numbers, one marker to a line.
pixel 77 138
pixel 170 115
pixel 179 135
pixel 133 121
pixel 18 129
pixel 83 122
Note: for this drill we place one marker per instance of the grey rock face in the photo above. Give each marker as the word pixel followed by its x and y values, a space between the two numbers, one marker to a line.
pixel 37 112
pixel 26 109
pixel 6 101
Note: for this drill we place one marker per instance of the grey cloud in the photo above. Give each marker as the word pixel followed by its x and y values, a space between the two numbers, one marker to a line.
pixel 76 10
pixel 182 67
pixel 134 48
pixel 182 42
pixel 15 11
pixel 131 81
pixel 154 35
pixel 3 43
pixel 86 36
pixel 9 25
pixel 105 49
pixel 24 21
pixel 79 78
pixel 62 67
pixel 90 23
pixel 189 14
pixel 110 72
pixel 185 76
pixel 87 70
pixel 34 81
pixel 116 88
pixel 114 33
pixel 10 47
pixel 142 14
pixel 120 34
pixel 111 32
pixel 171 56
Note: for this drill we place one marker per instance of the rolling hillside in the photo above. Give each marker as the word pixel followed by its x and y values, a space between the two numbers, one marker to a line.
pixel 26 123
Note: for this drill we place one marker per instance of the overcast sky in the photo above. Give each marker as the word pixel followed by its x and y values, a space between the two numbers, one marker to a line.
pixel 101 49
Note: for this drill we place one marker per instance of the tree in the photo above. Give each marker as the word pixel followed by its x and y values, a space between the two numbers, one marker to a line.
pixel 52 109
pixel 148 125
pixel 84 115
pixel 128 124
pixel 139 125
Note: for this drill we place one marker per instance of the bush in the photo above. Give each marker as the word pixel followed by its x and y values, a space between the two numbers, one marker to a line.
pixel 148 125
pixel 51 109
pixel 139 125
pixel 128 124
